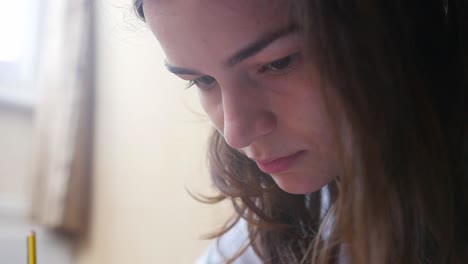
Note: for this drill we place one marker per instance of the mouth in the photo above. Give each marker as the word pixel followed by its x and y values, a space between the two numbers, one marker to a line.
pixel 280 164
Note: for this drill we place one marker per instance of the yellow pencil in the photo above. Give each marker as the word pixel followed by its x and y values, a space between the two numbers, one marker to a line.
pixel 32 248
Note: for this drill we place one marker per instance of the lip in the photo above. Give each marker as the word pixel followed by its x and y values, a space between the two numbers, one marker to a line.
pixel 279 164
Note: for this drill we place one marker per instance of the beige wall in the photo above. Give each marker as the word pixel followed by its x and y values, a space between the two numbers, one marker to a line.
pixel 15 158
pixel 16 145
pixel 149 146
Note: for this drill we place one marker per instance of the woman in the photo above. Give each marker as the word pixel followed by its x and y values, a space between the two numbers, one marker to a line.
pixel 365 98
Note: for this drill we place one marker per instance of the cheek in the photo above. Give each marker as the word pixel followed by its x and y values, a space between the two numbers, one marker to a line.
pixel 319 135
pixel 303 109
pixel 315 121
pixel 213 108
pixel 304 116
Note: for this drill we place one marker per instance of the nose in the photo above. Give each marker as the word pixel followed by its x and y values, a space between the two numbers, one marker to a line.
pixel 247 116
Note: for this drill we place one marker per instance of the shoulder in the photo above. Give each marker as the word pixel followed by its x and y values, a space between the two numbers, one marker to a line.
pixel 228 245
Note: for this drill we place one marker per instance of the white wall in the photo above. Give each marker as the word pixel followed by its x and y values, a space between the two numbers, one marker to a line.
pixel 149 146
pixel 15 156
pixel 16 140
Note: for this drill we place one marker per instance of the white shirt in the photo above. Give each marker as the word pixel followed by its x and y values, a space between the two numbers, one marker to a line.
pixel 229 245
pixel 237 237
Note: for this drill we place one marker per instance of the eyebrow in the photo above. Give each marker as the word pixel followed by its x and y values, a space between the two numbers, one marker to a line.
pixel 180 71
pixel 248 51
pixel 258 45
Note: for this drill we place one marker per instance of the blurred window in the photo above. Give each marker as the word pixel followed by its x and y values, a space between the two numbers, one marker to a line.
pixel 19 31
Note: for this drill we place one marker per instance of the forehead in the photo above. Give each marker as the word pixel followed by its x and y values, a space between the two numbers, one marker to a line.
pixel 187 29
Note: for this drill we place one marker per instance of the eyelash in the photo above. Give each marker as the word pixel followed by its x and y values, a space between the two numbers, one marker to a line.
pixel 263 69
pixel 197 82
pixel 291 60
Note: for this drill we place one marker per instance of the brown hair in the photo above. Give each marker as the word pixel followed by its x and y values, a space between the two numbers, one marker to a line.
pixel 400 69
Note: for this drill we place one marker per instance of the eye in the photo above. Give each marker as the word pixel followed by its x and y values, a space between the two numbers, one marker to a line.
pixel 279 66
pixel 204 83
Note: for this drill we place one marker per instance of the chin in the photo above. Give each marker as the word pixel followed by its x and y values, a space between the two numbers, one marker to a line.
pixel 299 184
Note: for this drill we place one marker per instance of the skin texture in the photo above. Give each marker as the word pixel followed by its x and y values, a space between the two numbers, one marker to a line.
pixel 266 106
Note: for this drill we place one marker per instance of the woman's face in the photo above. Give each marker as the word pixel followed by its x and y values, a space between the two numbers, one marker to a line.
pixel 261 93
